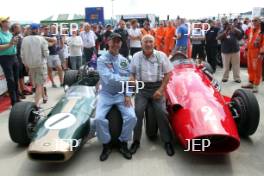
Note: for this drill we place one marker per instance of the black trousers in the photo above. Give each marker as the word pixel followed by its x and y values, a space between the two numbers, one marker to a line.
pixel 88 53
pixel 211 52
pixel 198 49
pixel 134 50
pixel 142 99
pixel 10 68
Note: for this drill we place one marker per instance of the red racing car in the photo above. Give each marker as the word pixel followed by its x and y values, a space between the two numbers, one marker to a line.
pixel 200 116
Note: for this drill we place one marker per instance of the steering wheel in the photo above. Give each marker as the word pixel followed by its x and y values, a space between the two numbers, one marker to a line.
pixel 178 56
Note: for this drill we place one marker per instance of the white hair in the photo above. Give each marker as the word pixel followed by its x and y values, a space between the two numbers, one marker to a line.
pixel 148 37
pixel 86 24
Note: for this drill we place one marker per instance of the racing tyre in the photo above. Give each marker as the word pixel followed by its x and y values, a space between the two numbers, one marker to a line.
pixel 151 125
pixel 247 109
pixel 22 121
pixel 70 77
pixel 115 123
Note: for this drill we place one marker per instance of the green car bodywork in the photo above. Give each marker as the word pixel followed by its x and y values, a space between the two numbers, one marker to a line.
pixel 67 122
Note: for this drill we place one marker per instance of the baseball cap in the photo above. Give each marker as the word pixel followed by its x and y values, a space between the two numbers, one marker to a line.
pixel 114 36
pixel 34 26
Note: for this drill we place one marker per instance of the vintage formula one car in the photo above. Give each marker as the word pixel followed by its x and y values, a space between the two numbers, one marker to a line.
pixel 198 111
pixel 59 134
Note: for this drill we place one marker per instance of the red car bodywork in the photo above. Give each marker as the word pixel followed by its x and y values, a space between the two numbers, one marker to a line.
pixel 199 111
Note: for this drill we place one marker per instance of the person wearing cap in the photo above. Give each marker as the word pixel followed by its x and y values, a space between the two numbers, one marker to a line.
pixel 254 59
pixel 8 59
pixel 113 69
pixel 34 53
pixel 154 69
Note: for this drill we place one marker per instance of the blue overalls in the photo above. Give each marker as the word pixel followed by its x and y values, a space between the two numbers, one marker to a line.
pixel 113 70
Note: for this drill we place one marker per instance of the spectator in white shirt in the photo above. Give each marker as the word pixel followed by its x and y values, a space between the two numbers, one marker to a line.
pixel 135 37
pixel 75 48
pixel 88 38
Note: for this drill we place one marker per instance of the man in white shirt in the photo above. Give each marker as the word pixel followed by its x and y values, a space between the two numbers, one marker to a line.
pixel 75 48
pixel 135 37
pixel 88 38
pixel 154 69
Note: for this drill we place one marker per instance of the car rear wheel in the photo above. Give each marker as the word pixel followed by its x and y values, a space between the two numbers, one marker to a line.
pixel 151 126
pixel 70 77
pixel 246 106
pixel 22 120
pixel 115 123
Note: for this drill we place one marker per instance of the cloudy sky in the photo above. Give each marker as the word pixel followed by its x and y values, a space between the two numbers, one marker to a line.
pixel 36 10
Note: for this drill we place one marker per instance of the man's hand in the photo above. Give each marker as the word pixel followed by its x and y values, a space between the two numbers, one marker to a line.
pixel 13 41
pixel 158 94
pixel 128 102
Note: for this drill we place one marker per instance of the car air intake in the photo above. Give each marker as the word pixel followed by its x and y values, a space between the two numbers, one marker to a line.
pixel 47 156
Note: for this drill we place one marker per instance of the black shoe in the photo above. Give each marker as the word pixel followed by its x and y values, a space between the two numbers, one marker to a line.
pixel 106 152
pixel 45 100
pixel 26 92
pixel 169 149
pixel 21 95
pixel 224 80
pixel 134 147
pixel 238 81
pixel 34 90
pixel 124 150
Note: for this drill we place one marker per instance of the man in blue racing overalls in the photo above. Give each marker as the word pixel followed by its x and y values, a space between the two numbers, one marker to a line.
pixel 113 69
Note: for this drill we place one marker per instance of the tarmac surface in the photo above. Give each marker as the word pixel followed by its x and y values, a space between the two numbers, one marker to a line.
pixel 150 160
